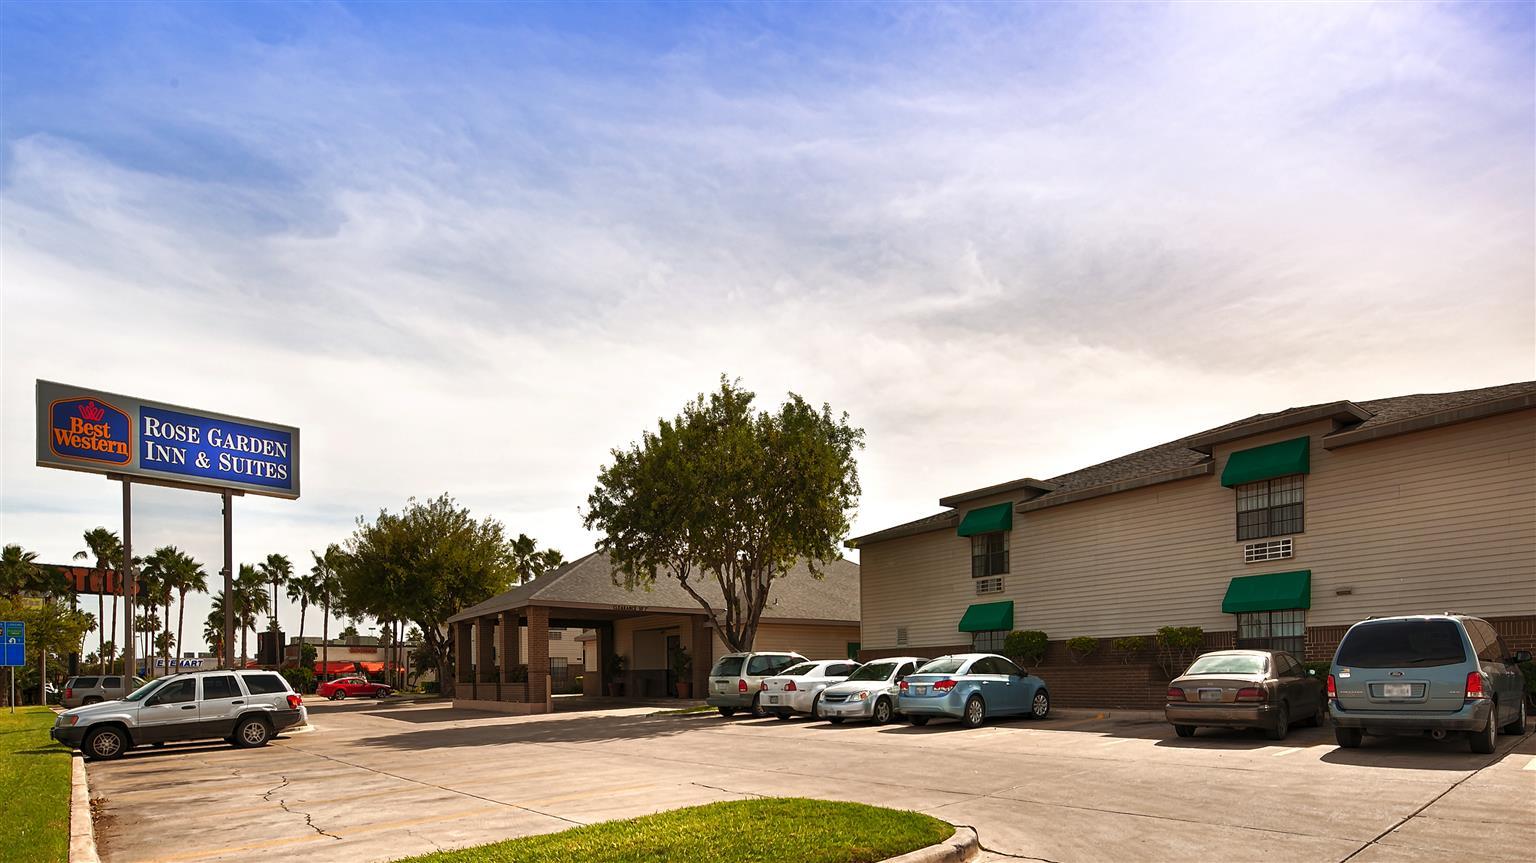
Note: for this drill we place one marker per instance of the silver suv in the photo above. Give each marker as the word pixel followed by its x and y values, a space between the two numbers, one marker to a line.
pixel 244 708
pixel 1435 674
pixel 736 679
pixel 94 688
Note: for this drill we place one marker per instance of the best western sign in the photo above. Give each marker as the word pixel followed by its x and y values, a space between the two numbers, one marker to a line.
pixel 90 430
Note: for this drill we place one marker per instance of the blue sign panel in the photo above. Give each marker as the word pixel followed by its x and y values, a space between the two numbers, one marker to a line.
pixel 13 643
pixel 143 441
pixel 89 430
pixel 222 450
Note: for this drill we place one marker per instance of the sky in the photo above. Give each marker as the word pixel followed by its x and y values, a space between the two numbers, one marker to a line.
pixel 472 248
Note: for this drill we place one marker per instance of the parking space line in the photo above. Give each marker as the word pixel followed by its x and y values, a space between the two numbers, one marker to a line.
pixel 1531 764
pixel 1284 752
pixel 1118 742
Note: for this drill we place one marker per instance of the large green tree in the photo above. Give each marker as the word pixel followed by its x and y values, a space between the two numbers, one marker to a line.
pixel 327 582
pixel 729 494
pixel 425 564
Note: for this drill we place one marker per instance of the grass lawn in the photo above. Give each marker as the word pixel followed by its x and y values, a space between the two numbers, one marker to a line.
pixel 775 828
pixel 34 771
pixel 698 708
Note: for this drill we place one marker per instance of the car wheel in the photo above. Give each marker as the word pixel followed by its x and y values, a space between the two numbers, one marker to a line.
pixel 727 712
pixel 338 695
pixel 783 714
pixel 1184 730
pixel 816 706
pixel 882 712
pixel 252 732
pixel 1040 708
pixel 919 721
pixel 1349 738
pixel 757 709
pixel 975 712
pixel 90 700
pixel 835 720
pixel 1320 716
pixel 1281 725
pixel 105 744
pixel 1485 741
pixel 1518 726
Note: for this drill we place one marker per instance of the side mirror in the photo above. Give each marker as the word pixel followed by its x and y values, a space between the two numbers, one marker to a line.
pixel 1521 656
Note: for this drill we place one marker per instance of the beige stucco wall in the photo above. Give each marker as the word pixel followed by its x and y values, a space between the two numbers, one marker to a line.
pixel 813 641
pixel 566 646
pixel 1415 523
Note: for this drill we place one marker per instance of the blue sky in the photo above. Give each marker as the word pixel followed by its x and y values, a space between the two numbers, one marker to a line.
pixel 470 248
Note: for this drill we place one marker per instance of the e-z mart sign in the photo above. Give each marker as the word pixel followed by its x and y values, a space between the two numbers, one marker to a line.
pixel 100 432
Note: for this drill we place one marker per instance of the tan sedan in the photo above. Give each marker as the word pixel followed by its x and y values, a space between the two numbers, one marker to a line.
pixel 1265 689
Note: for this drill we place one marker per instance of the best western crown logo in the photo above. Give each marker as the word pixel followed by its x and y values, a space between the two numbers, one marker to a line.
pixel 90 430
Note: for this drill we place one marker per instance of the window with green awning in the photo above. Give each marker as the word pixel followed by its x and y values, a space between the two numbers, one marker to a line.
pixel 988 617
pixel 1267 462
pixel 987 519
pixel 1275 591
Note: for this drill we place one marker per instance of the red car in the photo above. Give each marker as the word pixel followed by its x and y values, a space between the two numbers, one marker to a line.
pixel 357 687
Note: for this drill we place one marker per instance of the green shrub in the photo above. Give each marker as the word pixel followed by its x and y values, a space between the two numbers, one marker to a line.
pixel 1529 670
pixel 1082 646
pixel 1026 646
pixel 1129 647
pixel 431 687
pixel 1320 667
pixel 1178 646
pixel 519 674
pixel 301 679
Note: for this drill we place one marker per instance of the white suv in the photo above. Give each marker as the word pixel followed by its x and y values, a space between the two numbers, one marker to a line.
pixel 245 708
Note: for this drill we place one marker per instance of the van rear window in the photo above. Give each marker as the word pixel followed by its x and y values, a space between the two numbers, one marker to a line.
pixel 730 666
pixel 1402 643
pixel 82 683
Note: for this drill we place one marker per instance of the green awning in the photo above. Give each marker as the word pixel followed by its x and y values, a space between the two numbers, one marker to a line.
pixel 1276 591
pixel 988 617
pixel 988 519
pixel 1267 462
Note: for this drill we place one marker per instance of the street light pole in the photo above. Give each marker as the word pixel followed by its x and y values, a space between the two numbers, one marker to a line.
pixel 229 580
pixel 131 580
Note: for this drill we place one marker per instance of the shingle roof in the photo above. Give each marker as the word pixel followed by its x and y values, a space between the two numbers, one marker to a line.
pixel 589 581
pixel 1180 454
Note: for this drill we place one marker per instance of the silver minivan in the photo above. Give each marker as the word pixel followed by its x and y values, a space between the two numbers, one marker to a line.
pixel 95 688
pixel 1432 674
pixel 735 681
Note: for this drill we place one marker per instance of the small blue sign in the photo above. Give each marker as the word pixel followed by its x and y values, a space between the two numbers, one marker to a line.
pixel 13 643
pixel 210 448
pixel 88 429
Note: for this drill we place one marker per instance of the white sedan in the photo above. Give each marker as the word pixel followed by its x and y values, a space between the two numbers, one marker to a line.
pixel 797 689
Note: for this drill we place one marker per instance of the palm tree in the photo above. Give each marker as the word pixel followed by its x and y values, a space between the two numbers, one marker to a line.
pixel 250 600
pixel 213 625
pixel 301 589
pixel 327 588
pixel 107 549
pixel 190 576
pixel 277 570
pixel 19 570
pixel 529 562
pixel 154 586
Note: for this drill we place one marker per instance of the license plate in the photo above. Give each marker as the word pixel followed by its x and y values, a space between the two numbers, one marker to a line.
pixel 1397 690
pixel 773 699
pixel 1210 695
pixel 919 690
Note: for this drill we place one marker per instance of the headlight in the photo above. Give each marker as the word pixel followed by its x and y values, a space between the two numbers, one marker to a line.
pixel 861 695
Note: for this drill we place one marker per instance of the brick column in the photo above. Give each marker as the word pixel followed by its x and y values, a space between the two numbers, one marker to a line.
pixel 538 653
pixel 485 654
pixel 511 651
pixel 463 653
pixel 703 656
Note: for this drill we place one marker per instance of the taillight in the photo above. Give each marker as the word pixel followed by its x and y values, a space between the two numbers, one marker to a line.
pixel 943 685
pixel 1252 693
pixel 69 693
pixel 1475 685
pixel 790 686
pixel 741 686
pixel 1333 688
pixel 1175 694
pixel 294 701
pixel 902 685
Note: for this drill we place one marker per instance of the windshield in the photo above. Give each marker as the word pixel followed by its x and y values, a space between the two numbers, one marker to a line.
pixel 943 665
pixel 729 666
pixel 147 690
pixel 874 671
pixel 1396 643
pixel 800 670
pixel 1228 664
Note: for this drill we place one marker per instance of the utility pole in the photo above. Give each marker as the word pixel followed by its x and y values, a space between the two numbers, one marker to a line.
pixel 229 580
pixel 131 579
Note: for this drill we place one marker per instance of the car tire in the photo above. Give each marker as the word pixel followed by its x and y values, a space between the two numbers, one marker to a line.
pixel 105 744
pixel 251 732
pixel 1518 726
pixel 757 709
pixel 882 712
pixel 1320 716
pixel 727 712
pixel 919 721
pixel 90 700
pixel 1348 738
pixel 816 706
pixel 1282 724
pixel 835 720
pixel 1040 705
pixel 1184 730
pixel 1486 741
pixel 338 695
pixel 975 713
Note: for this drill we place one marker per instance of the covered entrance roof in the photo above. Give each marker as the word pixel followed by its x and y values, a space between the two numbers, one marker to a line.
pixel 584 591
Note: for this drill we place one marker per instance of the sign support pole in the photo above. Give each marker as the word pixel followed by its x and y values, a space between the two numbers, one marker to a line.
pixel 229 577
pixel 131 579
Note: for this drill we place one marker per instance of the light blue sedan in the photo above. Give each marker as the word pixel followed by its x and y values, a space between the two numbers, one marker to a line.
pixel 970 687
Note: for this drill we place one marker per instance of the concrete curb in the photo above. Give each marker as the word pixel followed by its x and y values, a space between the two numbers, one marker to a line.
pixel 961 846
pixel 82 831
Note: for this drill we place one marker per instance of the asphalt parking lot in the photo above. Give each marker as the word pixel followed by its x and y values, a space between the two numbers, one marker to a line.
pixel 379 781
